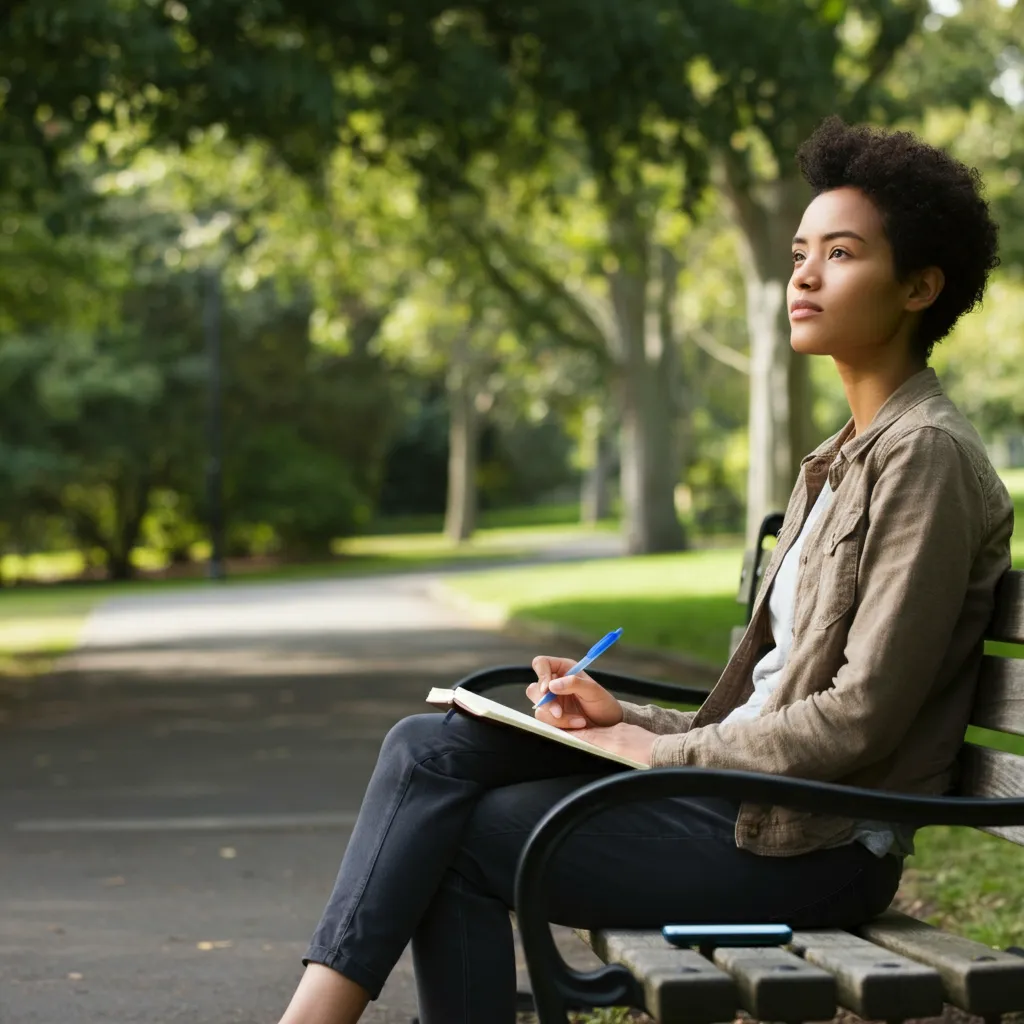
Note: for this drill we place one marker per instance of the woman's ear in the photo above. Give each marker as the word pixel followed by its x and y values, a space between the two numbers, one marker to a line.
pixel 925 287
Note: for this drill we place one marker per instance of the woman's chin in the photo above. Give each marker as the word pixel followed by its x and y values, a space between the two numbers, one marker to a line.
pixel 809 343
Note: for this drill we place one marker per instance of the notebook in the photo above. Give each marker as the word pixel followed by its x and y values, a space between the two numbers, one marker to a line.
pixel 483 707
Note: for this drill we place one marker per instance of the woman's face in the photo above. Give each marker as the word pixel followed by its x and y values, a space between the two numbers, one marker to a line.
pixel 844 299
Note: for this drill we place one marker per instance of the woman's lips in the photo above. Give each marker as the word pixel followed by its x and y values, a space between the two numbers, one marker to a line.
pixel 803 313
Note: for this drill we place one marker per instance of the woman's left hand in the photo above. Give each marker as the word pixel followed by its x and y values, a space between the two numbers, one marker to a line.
pixel 628 740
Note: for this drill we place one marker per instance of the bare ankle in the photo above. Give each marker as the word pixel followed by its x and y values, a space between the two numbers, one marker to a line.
pixel 325 996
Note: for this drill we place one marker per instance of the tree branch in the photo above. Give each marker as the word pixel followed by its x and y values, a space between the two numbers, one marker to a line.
pixel 737 184
pixel 891 39
pixel 590 339
pixel 553 289
pixel 703 339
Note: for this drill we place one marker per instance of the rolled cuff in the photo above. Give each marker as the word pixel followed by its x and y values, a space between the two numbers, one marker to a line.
pixel 345 965
pixel 653 718
pixel 669 752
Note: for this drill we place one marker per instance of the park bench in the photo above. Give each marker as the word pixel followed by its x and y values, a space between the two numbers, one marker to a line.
pixel 895 968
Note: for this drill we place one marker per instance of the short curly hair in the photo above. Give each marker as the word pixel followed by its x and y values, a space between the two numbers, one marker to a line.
pixel 931 205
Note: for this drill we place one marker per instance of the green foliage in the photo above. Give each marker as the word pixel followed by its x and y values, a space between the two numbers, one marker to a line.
pixel 980 362
pixel 304 430
pixel 463 173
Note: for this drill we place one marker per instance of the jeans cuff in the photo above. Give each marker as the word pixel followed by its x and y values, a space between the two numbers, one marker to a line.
pixel 351 969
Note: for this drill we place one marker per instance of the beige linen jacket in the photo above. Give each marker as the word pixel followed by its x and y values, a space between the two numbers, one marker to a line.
pixel 895 590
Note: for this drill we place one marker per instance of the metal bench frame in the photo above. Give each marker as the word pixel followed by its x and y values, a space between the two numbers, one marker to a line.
pixel 559 988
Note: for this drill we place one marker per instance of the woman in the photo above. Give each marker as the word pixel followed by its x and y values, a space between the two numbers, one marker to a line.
pixel 858 666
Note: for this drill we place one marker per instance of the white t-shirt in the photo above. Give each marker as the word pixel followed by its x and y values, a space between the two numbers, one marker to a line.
pixel 781 602
pixel 878 837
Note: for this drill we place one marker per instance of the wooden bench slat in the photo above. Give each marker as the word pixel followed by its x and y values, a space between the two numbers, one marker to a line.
pixel 1008 621
pixel 993 773
pixel 875 983
pixel 976 978
pixel 774 984
pixel 999 701
pixel 679 984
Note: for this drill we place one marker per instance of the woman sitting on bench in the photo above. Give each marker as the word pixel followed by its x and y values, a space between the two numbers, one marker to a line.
pixel 858 666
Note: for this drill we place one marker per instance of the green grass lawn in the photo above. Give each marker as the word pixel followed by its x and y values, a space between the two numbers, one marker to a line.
pixel 684 602
pixel 491 519
pixel 37 626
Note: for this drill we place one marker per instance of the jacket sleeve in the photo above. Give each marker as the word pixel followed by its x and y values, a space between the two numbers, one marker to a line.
pixel 656 719
pixel 926 523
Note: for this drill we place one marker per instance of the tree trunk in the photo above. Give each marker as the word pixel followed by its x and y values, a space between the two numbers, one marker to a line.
pixel 131 503
pixel 595 496
pixel 463 433
pixel 119 565
pixel 645 388
pixel 780 424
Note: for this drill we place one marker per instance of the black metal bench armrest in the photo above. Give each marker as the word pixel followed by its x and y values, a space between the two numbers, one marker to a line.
pixel 505 675
pixel 557 988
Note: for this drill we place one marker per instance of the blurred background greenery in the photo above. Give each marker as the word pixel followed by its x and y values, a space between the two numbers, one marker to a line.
pixel 360 269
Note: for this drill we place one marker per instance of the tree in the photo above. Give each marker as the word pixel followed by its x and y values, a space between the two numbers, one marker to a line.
pixel 488 90
pixel 613 299
pixel 775 70
pixel 112 418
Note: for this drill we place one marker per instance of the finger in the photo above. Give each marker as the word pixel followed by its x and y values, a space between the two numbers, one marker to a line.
pixel 547 714
pixel 535 691
pixel 577 723
pixel 542 665
pixel 565 685
pixel 580 686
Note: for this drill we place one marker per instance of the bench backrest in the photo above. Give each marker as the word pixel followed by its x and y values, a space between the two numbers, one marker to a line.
pixel 999 705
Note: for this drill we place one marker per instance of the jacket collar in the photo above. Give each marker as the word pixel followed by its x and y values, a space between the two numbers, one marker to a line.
pixel 923 385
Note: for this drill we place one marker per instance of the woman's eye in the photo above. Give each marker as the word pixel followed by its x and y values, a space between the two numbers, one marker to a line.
pixel 842 252
pixel 797 257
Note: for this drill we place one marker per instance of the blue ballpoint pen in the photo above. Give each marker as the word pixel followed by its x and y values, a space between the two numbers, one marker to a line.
pixel 592 655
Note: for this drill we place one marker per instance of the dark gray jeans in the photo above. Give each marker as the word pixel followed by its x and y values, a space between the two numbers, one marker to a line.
pixel 433 854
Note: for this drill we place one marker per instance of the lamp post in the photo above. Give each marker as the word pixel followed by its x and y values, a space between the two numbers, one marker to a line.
pixel 214 424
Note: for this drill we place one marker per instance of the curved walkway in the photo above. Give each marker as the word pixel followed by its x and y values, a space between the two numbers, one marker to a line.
pixel 179 795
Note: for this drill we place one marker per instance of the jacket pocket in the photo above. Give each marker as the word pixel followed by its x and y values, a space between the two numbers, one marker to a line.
pixel 837 575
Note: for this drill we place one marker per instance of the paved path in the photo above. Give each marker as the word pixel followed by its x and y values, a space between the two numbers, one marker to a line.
pixel 177 798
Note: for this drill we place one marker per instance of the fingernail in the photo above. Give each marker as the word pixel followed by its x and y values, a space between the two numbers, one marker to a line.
pixel 578 723
pixel 557 684
pixel 556 710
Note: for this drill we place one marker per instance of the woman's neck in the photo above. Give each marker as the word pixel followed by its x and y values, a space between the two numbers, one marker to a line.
pixel 868 388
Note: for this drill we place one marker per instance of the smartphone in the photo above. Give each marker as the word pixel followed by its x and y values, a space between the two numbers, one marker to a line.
pixel 728 934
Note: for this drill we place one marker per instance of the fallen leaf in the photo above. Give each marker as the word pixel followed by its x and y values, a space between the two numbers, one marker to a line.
pixel 75 976
pixel 228 852
pixel 207 944
pixel 113 881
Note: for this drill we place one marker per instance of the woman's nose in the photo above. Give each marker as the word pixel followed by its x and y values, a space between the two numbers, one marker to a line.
pixel 805 276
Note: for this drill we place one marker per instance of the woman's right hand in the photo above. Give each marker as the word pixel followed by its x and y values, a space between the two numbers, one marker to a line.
pixel 580 702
